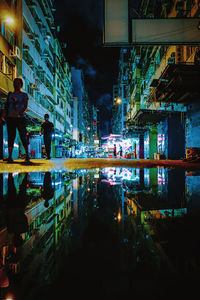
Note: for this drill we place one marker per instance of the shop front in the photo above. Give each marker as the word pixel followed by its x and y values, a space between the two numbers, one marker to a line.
pixel 125 147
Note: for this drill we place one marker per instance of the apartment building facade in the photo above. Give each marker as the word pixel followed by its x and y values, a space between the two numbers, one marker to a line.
pixel 168 115
pixel 46 74
pixel 121 93
pixel 29 49
pixel 10 55
pixel 83 113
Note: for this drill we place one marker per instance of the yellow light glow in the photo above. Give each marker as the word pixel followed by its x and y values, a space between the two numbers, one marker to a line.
pixel 119 100
pixel 9 20
pixel 119 216
pixel 9 298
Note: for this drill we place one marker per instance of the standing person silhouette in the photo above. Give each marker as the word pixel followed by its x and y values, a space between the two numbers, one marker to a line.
pixel 47 129
pixel 48 190
pixel 121 151
pixel 15 107
pixel 17 222
pixel 115 151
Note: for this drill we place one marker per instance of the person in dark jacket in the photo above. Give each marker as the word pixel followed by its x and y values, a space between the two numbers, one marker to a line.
pixel 15 107
pixel 47 191
pixel 47 129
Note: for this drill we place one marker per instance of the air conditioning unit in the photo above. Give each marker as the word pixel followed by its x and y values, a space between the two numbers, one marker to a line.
pixel 15 52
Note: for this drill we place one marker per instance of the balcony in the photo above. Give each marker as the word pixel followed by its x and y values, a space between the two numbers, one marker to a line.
pixel 179 83
pixel 35 110
pixel 31 3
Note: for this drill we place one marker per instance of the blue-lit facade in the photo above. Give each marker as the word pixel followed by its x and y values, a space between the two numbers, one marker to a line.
pixel 35 54
pixel 163 93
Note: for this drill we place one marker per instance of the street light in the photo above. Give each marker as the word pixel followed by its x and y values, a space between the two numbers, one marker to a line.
pixel 119 100
pixel 9 20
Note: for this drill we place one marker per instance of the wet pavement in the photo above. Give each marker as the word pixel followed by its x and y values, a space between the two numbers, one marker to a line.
pixel 91 163
pixel 104 232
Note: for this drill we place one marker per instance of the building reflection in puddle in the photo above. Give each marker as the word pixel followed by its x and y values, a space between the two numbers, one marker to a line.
pixel 147 219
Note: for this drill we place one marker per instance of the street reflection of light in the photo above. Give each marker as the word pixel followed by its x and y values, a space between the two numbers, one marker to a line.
pixel 15 173
pixel 58 135
pixel 58 182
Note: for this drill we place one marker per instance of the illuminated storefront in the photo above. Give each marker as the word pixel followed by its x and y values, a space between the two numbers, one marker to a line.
pixel 125 148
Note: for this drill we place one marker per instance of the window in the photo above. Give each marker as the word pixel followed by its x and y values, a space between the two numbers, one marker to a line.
pixel 49 64
pixel 9 68
pixel 1 61
pixel 6 66
pixel 37 46
pixel 30 90
pixel 26 27
pixel 11 2
pixel 7 34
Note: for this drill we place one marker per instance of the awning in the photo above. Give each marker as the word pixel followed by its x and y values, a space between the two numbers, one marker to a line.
pixel 111 137
pixel 33 121
pixel 149 116
pixel 179 83
pixel 134 131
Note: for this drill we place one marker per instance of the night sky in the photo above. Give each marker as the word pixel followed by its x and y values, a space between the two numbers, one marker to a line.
pixel 81 23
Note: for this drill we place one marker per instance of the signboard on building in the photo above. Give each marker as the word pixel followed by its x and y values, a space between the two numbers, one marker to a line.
pixel 116 21
pixel 172 31
pixel 121 30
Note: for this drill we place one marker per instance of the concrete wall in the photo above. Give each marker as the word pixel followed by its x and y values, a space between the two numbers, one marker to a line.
pixel 176 137
pixel 153 142
pixel 172 132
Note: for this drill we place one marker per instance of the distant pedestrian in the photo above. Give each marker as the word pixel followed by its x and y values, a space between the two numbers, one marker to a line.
pixel 121 151
pixel 115 151
pixel 47 129
pixel 13 113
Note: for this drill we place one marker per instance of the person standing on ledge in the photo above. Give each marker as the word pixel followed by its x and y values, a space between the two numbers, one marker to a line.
pixel 15 107
pixel 47 129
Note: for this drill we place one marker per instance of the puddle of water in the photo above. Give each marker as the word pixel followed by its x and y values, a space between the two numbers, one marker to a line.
pixel 104 231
